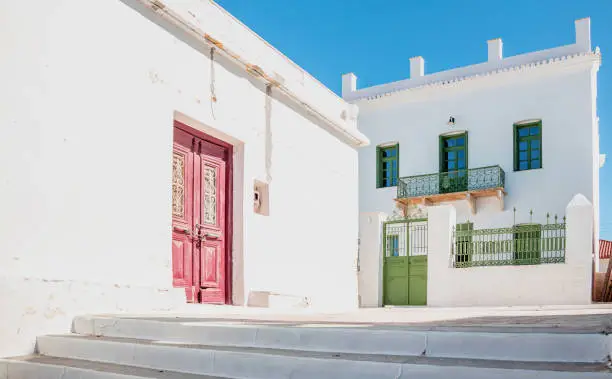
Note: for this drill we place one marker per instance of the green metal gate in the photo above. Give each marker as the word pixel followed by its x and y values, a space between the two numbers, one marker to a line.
pixel 405 262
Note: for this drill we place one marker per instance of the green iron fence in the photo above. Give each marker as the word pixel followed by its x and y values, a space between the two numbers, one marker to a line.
pixel 405 238
pixel 452 181
pixel 527 244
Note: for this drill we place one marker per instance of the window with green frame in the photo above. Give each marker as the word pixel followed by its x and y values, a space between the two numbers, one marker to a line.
pixel 527 146
pixel 387 165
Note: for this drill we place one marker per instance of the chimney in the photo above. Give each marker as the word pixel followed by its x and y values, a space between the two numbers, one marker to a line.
pixel 495 50
pixel 583 34
pixel 417 67
pixel 349 84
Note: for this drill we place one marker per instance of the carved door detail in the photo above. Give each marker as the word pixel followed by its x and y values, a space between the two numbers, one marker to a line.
pixel 211 223
pixel 182 214
pixel 199 177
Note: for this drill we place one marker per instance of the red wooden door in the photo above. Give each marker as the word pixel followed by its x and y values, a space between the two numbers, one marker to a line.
pixel 199 238
pixel 210 221
pixel 182 213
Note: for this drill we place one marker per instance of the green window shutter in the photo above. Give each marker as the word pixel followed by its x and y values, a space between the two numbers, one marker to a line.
pixel 466 151
pixel 387 166
pixel 514 138
pixel 441 154
pixel 378 168
pixel 397 162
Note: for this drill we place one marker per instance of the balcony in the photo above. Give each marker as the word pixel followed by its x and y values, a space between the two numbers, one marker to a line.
pixel 441 187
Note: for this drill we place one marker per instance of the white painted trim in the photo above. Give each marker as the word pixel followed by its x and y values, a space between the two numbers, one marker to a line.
pixel 388 144
pixel 453 133
pixel 472 73
pixel 528 121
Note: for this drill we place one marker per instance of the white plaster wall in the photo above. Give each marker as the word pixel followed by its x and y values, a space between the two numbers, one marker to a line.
pixel 370 258
pixel 89 93
pixel 561 95
pixel 566 283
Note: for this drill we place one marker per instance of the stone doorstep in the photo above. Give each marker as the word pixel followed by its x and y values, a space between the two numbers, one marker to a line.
pixel 449 343
pixel 274 363
pixel 38 366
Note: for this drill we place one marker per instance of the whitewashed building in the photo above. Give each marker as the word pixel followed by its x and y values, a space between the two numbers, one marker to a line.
pixel 155 153
pixel 508 142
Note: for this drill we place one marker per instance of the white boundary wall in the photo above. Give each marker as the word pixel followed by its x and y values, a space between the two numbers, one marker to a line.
pixel 567 283
pixel 370 259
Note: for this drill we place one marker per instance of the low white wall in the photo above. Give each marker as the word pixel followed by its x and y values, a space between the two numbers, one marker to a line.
pixel 31 307
pixel 370 258
pixel 566 283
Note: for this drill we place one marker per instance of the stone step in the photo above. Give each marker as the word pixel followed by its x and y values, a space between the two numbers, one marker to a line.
pixel 263 363
pixel 495 343
pixel 42 367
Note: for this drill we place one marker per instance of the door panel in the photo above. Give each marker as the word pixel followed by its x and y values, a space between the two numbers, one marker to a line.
pixel 182 214
pixel 396 281
pixel 211 225
pixel 417 280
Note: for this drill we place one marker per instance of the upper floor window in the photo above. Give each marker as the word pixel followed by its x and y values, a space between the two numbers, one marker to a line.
pixel 387 165
pixel 527 146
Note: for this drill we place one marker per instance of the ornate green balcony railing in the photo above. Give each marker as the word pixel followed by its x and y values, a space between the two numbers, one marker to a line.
pixel 527 244
pixel 453 181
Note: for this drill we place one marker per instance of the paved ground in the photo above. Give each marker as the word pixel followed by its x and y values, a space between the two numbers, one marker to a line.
pixel 596 318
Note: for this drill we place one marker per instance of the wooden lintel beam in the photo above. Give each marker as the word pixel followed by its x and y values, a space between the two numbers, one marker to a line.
pixel 426 201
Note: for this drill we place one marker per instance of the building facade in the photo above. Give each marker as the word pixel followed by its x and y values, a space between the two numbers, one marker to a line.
pixel 159 153
pixel 508 142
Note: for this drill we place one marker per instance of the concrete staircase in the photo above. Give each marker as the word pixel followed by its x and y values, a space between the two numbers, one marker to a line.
pixel 196 348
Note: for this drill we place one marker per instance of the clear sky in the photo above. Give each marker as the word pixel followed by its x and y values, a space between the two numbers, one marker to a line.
pixel 374 39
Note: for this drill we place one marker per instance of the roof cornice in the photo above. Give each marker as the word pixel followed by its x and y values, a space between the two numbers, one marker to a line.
pixel 391 89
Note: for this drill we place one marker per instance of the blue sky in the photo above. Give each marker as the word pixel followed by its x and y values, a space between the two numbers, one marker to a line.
pixel 374 39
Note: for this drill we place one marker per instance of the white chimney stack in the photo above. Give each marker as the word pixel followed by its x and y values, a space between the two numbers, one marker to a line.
pixel 583 33
pixel 349 84
pixel 495 50
pixel 417 67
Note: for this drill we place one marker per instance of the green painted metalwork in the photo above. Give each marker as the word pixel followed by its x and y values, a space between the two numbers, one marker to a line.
pixel 463 242
pixel 452 181
pixel 405 262
pixel 387 166
pixel 526 244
